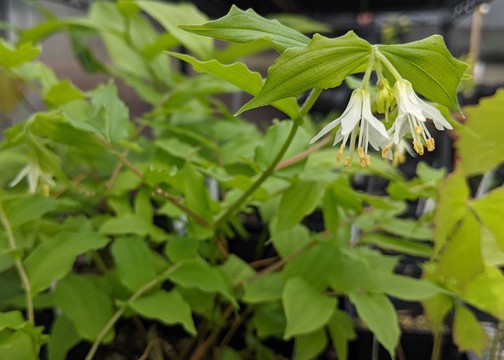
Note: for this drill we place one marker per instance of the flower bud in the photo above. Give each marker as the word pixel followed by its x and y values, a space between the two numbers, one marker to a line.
pixel 385 99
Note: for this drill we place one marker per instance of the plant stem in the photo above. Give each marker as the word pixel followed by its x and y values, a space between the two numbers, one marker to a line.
pixel 157 190
pixel 310 101
pixel 303 155
pixel 383 59
pixel 19 265
pixel 110 324
pixel 436 348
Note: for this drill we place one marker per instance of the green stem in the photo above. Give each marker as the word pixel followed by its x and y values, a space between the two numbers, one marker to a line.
pixel 110 324
pixel 436 349
pixel 383 59
pixel 19 265
pixel 367 74
pixel 310 101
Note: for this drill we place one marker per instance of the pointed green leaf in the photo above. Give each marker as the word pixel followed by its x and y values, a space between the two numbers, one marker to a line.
pixel 430 67
pixel 134 262
pixel 379 314
pixel 64 337
pixel 85 304
pixel 451 207
pixel 468 334
pixel 323 64
pixel 245 26
pixel 13 57
pixel 341 331
pixel 480 144
pixel 464 244
pixel 168 307
pixel 490 210
pixel 305 308
pixel 173 16
pixel 54 258
pixel 241 76
pixel 308 346
pixel 200 275
pixel 485 292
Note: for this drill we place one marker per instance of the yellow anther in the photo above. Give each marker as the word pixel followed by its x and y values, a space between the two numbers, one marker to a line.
pixel 340 152
pixel 46 190
pixel 360 150
pixel 348 160
pixel 418 129
pixel 431 144
pixel 419 148
pixel 385 151
pixel 368 160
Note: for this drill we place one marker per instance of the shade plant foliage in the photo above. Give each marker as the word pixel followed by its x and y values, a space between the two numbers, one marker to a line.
pixel 110 221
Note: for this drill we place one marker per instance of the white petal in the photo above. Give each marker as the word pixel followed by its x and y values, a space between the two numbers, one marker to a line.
pixel 376 139
pixel 435 115
pixel 374 122
pixel 326 129
pixel 353 115
pixel 24 171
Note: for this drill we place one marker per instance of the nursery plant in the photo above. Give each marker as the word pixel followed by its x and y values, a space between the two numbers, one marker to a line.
pixel 187 232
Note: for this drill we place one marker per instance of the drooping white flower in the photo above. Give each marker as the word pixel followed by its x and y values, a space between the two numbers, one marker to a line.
pixel 33 174
pixel 412 114
pixel 357 116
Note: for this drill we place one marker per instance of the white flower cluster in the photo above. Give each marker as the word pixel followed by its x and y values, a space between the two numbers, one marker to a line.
pixel 358 121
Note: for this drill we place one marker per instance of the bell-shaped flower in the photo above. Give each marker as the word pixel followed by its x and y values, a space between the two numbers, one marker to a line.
pixel 357 119
pixel 33 173
pixel 411 117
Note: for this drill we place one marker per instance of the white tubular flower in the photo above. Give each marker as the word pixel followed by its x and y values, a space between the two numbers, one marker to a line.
pixel 33 173
pixel 357 115
pixel 412 114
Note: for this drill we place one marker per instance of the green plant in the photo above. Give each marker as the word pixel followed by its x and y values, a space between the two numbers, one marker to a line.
pixel 108 218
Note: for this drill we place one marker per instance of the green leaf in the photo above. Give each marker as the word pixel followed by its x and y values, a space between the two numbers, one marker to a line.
pixel 237 270
pixel 16 345
pixel 305 308
pixel 269 320
pixel 180 248
pixel 245 26
pixel 200 275
pixel 315 265
pixel 168 307
pixel 290 240
pixel 132 224
pixel 110 114
pixel 468 334
pixel 485 292
pixel 267 288
pixel 464 244
pixel 64 337
pixel 196 192
pixel 403 287
pixel 397 244
pixel 490 211
pixel 323 64
pixel 54 258
pixel 241 76
pixel 480 144
pixel 409 229
pixel 341 331
pixel 297 202
pixel 134 262
pixel 436 308
pixel 62 93
pixel 28 208
pixel 308 346
pixel 303 24
pixel 273 141
pixel 173 16
pixel 14 57
pixel 379 314
pixel 430 67
pixel 85 304
pixel 450 208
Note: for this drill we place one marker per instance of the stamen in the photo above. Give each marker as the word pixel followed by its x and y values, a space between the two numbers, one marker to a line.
pixel 340 153
pixel 419 148
pixel 361 153
pixel 418 129
pixel 368 160
pixel 430 143
pixel 385 151
pixel 348 160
